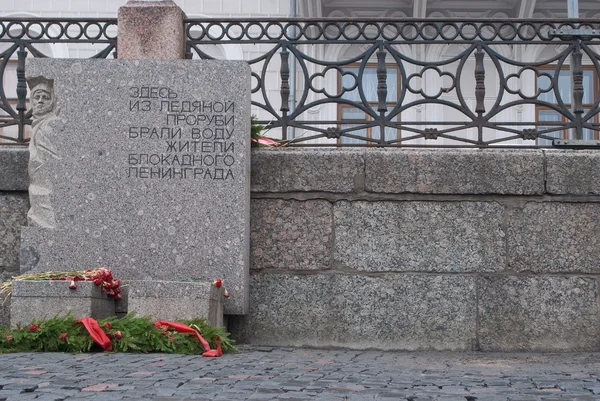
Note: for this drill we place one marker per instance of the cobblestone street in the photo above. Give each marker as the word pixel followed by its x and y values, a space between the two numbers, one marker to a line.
pixel 301 374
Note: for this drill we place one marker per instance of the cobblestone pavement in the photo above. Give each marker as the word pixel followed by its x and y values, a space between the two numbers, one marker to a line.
pixel 301 374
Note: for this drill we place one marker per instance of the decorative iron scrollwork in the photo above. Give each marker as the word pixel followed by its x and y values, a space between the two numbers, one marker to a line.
pixel 430 133
pixel 333 133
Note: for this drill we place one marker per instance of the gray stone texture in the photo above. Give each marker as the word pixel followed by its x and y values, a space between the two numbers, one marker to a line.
pixel 549 313
pixel 4 302
pixel 151 30
pixel 573 173
pixel 172 300
pixel 5 313
pixel 121 304
pixel 176 227
pixel 419 236
pixel 13 165
pixel 405 312
pixel 290 234
pixel 13 214
pixel 455 171
pixel 35 300
pixel 292 170
pixel 554 237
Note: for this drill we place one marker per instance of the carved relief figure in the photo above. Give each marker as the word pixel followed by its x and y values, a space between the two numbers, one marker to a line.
pixel 41 150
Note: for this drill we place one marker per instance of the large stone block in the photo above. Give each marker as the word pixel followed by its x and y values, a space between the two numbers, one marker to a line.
pixel 157 155
pixel 290 170
pixel 455 171
pixel 538 313
pixel 35 300
pixel 13 165
pixel 554 237
pixel 171 300
pixel 401 312
pixel 419 236
pixel 573 172
pixel 13 214
pixel 289 234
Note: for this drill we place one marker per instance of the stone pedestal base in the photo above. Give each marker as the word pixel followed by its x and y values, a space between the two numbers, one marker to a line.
pixel 36 300
pixel 173 300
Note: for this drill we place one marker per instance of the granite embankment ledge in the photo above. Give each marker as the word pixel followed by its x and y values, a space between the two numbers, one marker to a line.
pixel 352 245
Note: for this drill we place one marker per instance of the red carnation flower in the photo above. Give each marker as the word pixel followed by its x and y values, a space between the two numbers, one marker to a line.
pixel 63 336
pixel 107 325
pixel 118 335
pixel 33 328
pixel 73 285
pixel 218 283
pixel 171 338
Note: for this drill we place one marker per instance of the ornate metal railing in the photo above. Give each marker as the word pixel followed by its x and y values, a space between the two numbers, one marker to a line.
pixel 20 38
pixel 396 83
pixel 417 82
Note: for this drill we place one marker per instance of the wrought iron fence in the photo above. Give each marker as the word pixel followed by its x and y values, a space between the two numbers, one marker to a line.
pixel 385 83
pixel 418 82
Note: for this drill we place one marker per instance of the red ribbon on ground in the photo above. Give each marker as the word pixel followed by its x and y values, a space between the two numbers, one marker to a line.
pixel 102 339
pixel 96 333
pixel 182 328
pixel 213 352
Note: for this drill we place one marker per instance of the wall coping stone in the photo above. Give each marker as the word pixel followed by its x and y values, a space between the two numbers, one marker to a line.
pixel 303 170
pixel 455 171
pixel 573 173
pixel 426 171
pixel 396 171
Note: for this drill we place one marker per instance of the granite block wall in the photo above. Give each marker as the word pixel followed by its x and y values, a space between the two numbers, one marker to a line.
pixel 490 250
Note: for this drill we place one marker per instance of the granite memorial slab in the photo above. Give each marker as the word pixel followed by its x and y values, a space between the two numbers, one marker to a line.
pixel 143 167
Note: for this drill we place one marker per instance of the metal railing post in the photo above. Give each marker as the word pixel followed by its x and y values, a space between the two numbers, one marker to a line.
pixel 381 91
pixel 21 92
pixel 285 88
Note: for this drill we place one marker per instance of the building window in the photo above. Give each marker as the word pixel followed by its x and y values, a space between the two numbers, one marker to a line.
pixel 546 114
pixel 356 115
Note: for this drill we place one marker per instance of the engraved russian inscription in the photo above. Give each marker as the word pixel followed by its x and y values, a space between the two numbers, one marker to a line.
pixel 197 136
